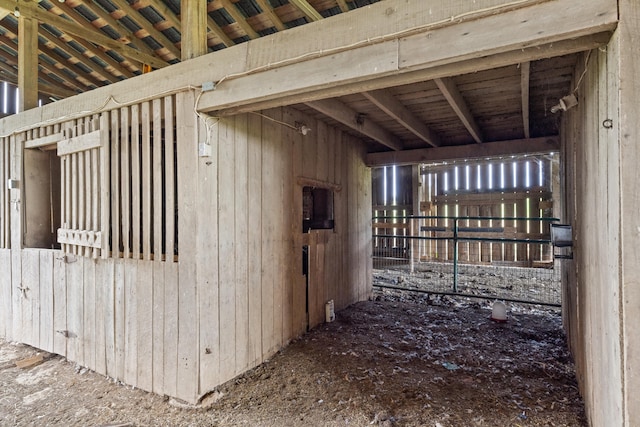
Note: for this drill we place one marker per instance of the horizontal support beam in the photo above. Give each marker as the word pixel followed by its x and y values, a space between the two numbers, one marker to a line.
pixel 342 37
pixel 430 47
pixel 462 152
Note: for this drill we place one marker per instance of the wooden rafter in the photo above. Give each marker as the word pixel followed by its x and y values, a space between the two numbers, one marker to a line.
pixel 307 9
pixel 67 26
pixel 108 20
pixel 103 74
pixel 525 70
pixel 150 29
pixel 348 117
pixel 46 86
pixel 450 91
pixel 273 17
pixel 343 5
pixel 46 67
pixel 384 100
pixel 236 15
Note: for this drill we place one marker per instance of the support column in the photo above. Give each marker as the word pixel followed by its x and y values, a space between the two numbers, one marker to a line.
pixel 629 134
pixel 194 28
pixel 27 63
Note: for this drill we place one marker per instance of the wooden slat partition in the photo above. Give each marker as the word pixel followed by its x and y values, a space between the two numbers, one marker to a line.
pixel 238 293
pixel 5 197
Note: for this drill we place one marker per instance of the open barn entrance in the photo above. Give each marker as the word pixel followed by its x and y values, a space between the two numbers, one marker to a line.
pixel 475 227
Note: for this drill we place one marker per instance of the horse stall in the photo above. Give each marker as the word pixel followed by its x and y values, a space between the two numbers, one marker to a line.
pixel 164 249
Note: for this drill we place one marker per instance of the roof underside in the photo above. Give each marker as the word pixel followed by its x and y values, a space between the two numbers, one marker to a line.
pixel 506 103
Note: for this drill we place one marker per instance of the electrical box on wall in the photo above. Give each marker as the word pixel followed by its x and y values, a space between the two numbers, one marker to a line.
pixel 13 184
pixel 204 149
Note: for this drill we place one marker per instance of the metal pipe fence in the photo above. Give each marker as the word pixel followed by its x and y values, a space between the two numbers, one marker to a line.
pixel 509 258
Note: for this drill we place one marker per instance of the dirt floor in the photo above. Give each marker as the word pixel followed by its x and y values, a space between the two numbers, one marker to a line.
pixel 399 360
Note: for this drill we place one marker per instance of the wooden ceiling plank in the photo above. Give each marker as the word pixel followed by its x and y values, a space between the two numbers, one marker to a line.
pixel 117 25
pixel 384 100
pixel 67 26
pixel 350 118
pixel 194 36
pixel 450 91
pixel 308 10
pixel 525 75
pixel 237 16
pixel 146 25
pixel 464 152
pixel 27 62
pixel 273 17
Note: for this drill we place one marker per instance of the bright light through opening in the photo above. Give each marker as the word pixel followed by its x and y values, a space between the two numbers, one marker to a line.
pixel 467 176
pixel 456 185
pixel 490 173
pixel 501 175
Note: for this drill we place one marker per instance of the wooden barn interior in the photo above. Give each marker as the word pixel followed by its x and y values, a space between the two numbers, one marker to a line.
pixel 167 167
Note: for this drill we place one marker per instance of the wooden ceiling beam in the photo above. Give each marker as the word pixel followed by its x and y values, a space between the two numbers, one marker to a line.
pixel 106 76
pixel 27 62
pixel 46 86
pixel 111 21
pixel 350 118
pixel 384 100
pixel 9 39
pixel 308 10
pixel 219 32
pixel 44 68
pixel 194 36
pixel 464 152
pixel 67 26
pixel 146 26
pixel 450 91
pixel 273 17
pixel 342 4
pixel 237 16
pixel 525 74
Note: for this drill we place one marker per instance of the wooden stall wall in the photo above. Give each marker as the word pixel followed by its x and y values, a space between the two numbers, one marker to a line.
pixel 592 280
pixel 178 313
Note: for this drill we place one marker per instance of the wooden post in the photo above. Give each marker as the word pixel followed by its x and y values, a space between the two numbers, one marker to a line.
pixel 27 63
pixel 194 28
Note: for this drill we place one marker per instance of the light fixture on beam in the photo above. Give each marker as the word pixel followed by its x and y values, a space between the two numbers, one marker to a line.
pixel 16 12
pixel 565 103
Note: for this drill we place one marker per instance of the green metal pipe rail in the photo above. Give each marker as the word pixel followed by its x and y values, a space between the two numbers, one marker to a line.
pixel 456 238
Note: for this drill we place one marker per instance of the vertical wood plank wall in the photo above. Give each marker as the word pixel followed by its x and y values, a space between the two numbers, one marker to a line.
pixel 237 292
pixel 592 281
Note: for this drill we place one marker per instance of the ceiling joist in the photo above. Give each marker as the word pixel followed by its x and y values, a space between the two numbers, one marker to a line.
pixel 450 91
pixel 348 117
pixel 386 102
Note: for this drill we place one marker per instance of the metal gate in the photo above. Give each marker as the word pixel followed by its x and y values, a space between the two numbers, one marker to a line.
pixel 482 257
